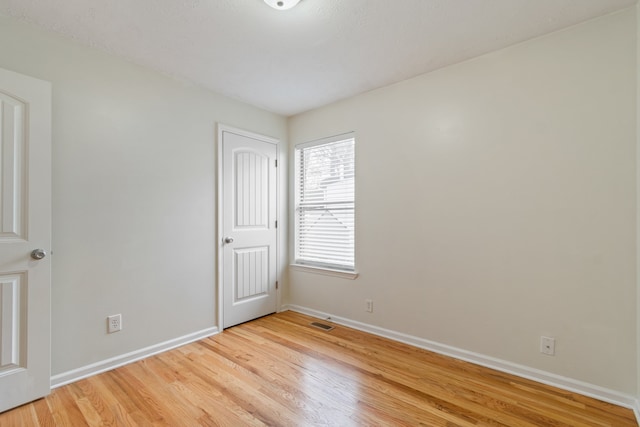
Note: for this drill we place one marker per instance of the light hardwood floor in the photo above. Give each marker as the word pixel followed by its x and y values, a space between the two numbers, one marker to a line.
pixel 279 371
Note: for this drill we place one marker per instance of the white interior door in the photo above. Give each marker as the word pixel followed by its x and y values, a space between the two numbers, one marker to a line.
pixel 25 226
pixel 248 229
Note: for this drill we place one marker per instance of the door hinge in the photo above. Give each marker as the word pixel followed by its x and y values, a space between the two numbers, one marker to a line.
pixel 276 285
pixel 276 162
pixel 276 224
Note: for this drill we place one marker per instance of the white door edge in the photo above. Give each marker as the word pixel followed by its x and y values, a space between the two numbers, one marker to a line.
pixel 25 373
pixel 219 176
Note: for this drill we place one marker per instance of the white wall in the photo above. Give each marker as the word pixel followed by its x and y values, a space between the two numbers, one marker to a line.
pixel 134 183
pixel 496 202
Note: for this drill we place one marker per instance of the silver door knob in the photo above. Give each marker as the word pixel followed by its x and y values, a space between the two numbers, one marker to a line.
pixel 38 253
pixel 228 239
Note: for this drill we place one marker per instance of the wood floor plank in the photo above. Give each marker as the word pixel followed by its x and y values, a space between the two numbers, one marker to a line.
pixel 280 371
pixel 64 409
pixel 43 414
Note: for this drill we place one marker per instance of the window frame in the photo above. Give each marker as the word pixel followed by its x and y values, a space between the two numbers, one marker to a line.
pixel 310 266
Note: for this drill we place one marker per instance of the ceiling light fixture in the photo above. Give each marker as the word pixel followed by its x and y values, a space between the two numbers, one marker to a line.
pixel 282 4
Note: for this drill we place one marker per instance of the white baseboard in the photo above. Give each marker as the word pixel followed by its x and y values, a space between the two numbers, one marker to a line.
pixel 74 375
pixel 569 384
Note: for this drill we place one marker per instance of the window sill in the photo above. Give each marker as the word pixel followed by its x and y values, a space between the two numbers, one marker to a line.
pixel 351 275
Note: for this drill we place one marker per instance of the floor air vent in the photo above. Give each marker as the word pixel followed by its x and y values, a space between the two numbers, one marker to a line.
pixel 321 326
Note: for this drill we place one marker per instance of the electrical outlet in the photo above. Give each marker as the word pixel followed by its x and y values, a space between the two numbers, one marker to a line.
pixel 369 305
pixel 114 323
pixel 548 346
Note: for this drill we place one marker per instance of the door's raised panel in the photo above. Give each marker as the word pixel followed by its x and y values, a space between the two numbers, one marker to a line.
pixel 12 321
pixel 252 190
pixel 251 272
pixel 12 167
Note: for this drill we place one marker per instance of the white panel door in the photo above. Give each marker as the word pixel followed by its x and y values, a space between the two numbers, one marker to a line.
pixel 25 227
pixel 248 228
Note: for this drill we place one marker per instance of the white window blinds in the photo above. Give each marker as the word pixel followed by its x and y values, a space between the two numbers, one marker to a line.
pixel 325 203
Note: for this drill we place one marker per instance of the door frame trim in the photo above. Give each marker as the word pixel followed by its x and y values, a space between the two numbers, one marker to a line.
pixel 219 214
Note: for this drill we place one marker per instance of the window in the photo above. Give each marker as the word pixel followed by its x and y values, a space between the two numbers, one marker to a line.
pixel 325 203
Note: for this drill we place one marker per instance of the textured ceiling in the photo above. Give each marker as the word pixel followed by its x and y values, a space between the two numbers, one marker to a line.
pixel 316 53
